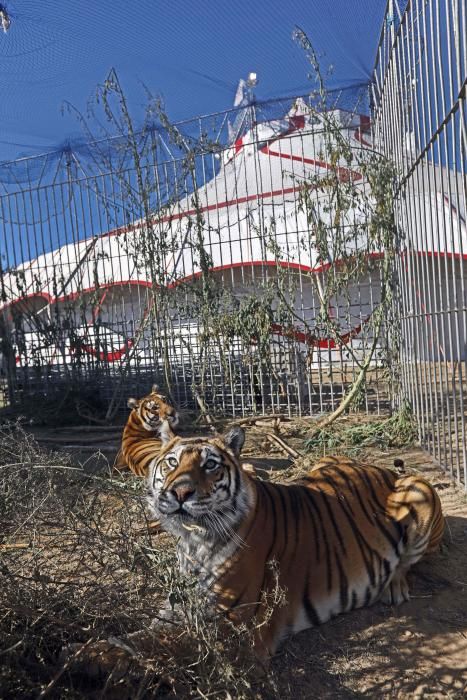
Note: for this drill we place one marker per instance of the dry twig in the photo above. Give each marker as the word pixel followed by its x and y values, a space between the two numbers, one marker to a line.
pixel 283 445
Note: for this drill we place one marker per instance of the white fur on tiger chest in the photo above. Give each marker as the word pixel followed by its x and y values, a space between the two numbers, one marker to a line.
pixel 331 605
pixel 196 557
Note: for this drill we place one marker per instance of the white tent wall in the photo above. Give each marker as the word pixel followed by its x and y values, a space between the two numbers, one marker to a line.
pixel 435 329
pixel 254 195
pixel 308 375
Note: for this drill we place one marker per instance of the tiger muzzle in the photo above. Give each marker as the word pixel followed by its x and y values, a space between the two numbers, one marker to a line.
pixel 172 500
pixel 182 493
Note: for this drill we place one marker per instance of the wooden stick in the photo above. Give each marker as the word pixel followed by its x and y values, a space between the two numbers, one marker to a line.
pixel 281 443
pixel 153 527
pixel 91 440
pixel 205 412
pixel 251 420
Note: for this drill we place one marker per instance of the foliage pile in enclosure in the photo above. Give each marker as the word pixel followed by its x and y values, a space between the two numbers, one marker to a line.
pixel 77 565
pixel 399 430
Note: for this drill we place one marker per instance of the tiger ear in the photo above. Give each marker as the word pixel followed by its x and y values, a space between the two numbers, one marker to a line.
pixel 235 439
pixel 155 388
pixel 132 403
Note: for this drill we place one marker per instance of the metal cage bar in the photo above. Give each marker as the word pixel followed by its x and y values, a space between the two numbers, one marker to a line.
pixel 80 313
pixel 419 93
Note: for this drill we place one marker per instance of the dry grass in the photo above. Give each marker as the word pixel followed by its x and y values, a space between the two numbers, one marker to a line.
pixel 77 565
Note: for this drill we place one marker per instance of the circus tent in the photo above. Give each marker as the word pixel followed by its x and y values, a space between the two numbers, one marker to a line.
pixel 252 198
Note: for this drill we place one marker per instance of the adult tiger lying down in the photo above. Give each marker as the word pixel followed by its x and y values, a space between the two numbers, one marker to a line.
pixel 343 537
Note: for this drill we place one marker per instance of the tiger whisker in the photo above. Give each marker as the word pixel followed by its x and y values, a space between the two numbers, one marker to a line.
pixel 227 530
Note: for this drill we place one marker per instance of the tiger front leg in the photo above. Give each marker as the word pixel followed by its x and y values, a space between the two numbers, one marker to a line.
pixel 269 628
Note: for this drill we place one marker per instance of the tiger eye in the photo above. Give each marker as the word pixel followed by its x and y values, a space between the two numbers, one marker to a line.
pixel 210 465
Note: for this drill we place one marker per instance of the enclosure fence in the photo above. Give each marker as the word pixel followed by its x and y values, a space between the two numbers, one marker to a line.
pixel 419 94
pixel 115 276
pixel 192 255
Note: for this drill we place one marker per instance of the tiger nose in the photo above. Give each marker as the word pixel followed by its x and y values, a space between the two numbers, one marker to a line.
pixel 182 492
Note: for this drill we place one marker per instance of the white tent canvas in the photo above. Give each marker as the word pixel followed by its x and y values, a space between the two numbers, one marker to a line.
pixel 254 196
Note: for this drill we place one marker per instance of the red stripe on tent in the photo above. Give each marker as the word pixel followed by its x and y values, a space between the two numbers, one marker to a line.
pixel 358 137
pixel 345 174
pixel 113 356
pixel 255 263
pixel 210 207
pixel 295 334
pixel 298 121
pixel 238 144
pixel 269 263
pixel 215 207
pixel 144 283
pixel 311 339
pixel 365 123
pixel 74 295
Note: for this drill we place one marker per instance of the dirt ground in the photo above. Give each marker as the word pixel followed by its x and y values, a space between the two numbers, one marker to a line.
pixel 418 650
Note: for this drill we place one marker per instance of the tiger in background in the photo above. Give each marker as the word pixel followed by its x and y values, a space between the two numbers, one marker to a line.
pixel 141 439
pixel 342 537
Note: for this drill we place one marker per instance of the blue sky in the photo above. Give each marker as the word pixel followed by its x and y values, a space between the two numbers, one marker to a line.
pixel 191 53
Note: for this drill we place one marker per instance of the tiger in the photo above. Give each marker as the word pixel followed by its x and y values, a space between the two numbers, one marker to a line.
pixel 141 439
pixel 341 537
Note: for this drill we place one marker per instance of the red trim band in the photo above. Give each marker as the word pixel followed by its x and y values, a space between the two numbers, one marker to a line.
pixel 311 339
pixel 345 174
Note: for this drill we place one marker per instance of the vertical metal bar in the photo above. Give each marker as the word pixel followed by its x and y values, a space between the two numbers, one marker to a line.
pixel 429 50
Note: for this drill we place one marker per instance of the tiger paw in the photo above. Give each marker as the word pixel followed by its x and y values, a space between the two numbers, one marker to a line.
pixel 99 659
pixel 112 657
pixel 396 592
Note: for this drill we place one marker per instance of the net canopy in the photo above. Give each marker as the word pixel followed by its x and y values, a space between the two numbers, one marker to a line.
pixel 54 53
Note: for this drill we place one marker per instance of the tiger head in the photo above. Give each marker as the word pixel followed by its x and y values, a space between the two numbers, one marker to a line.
pixel 199 484
pixel 153 411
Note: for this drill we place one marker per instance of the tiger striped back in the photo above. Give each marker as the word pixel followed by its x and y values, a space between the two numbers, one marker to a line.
pixel 141 441
pixel 343 537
